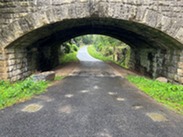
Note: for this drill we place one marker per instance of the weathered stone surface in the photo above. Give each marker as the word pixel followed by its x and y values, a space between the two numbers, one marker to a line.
pixel 11 62
pixel 180 65
pixel 3 63
pixel 153 27
pixel 45 76
pixel 180 72
pixel 162 79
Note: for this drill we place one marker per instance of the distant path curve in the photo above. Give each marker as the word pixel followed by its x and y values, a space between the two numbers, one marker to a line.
pixel 83 55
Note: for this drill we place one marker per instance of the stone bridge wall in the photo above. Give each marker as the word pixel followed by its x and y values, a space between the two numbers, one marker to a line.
pixel 154 63
pixel 157 24
pixel 166 15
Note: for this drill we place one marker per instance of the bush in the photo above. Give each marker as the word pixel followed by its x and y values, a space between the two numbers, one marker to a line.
pixel 73 48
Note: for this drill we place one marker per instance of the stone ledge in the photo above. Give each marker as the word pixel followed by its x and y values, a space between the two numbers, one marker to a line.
pixel 44 76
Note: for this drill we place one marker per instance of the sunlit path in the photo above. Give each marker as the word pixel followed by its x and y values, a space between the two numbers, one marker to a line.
pixel 84 56
pixel 92 102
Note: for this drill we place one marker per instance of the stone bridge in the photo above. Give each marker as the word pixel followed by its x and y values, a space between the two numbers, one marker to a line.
pixel 31 32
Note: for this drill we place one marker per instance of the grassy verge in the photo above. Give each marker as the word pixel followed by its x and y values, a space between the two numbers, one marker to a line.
pixel 67 58
pixel 19 91
pixel 58 78
pixel 170 95
pixel 92 51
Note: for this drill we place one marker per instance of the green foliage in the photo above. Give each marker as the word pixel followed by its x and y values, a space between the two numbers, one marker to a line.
pixel 67 58
pixel 87 39
pixel 105 48
pixel 68 52
pixel 113 48
pixel 106 56
pixel 104 41
pixel 69 48
pixel 169 94
pixel 92 51
pixel 57 78
pixel 74 48
pixel 22 90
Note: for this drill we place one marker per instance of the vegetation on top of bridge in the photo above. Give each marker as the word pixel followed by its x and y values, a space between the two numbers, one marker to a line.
pixel 171 95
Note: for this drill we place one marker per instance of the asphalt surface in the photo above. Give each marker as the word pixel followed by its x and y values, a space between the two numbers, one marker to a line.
pixel 92 102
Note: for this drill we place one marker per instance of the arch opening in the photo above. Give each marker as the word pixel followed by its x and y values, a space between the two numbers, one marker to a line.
pixel 153 51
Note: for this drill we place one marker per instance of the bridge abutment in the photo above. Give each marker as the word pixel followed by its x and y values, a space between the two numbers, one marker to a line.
pixel 156 63
pixel 144 25
pixel 3 65
pixel 17 64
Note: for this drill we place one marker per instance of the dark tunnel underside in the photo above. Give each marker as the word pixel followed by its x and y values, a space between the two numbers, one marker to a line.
pixel 134 34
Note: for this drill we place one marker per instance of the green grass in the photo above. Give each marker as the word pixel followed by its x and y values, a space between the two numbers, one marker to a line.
pixel 11 93
pixel 170 95
pixel 58 78
pixel 70 57
pixel 92 51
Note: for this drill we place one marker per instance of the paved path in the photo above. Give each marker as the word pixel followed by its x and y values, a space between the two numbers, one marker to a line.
pixel 83 55
pixel 92 102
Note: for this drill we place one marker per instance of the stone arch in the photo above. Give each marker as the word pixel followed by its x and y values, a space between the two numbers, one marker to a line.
pixel 146 13
pixel 140 28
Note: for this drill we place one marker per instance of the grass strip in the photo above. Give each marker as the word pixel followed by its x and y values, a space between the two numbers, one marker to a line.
pixel 171 95
pixel 12 93
pixel 92 51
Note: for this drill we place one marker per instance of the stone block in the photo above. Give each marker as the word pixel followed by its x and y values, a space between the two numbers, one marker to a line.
pixel 20 55
pixel 19 66
pixel 172 69
pixel 162 79
pixel 2 63
pixel 18 61
pixel 11 62
pixel 2 69
pixel 179 34
pixel 171 75
pixel 175 59
pixel 180 72
pixel 10 51
pixel 180 65
pixel 45 76
pixel 3 76
pixel 83 0
pixel 181 58
pixel 17 72
pixel 181 80
pixel 13 79
pixel 56 2
pixel 26 74
pixel 43 2
pixel 176 77
pixel 11 56
pixel 11 68
pixel 2 57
